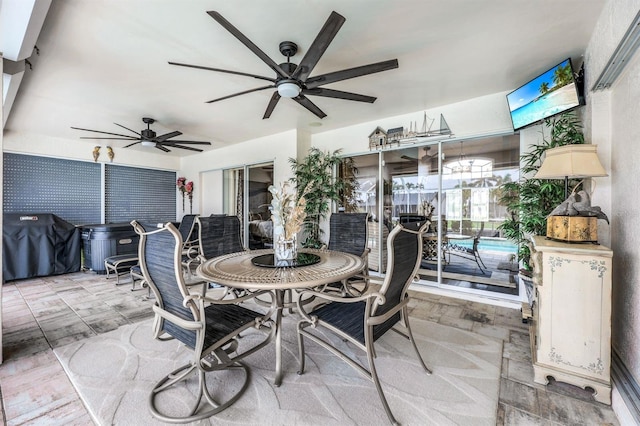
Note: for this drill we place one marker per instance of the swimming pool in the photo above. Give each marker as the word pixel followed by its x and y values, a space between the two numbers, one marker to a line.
pixel 490 244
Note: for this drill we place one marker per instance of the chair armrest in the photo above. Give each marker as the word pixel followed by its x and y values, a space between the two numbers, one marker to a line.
pixel 249 295
pixel 370 297
pixel 340 299
pixel 382 318
pixel 180 322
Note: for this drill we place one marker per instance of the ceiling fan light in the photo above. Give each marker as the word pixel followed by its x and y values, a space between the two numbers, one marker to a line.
pixel 288 90
pixel 148 143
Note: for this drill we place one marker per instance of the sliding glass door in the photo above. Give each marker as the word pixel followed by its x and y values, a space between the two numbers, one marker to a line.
pixel 456 185
pixel 247 196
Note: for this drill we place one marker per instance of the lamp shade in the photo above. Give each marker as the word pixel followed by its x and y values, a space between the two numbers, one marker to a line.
pixel 573 161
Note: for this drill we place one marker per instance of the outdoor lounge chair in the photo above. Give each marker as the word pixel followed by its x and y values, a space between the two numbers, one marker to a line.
pixel 364 319
pixel 470 253
pixel 208 327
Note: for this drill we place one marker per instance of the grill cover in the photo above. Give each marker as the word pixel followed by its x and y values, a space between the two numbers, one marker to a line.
pixel 38 244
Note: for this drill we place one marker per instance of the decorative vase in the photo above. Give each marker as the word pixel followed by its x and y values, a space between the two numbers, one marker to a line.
pixel 285 249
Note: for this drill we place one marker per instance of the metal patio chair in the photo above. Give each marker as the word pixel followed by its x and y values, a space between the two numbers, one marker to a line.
pixel 208 327
pixel 364 319
pixel 348 232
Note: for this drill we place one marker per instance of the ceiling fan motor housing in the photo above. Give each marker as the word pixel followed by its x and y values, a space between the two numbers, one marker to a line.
pixel 148 134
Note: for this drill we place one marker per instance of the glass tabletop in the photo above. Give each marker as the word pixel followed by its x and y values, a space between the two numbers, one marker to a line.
pixel 269 261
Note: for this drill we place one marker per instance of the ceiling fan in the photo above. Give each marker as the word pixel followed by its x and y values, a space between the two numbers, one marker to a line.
pixel 148 137
pixel 423 155
pixel 294 81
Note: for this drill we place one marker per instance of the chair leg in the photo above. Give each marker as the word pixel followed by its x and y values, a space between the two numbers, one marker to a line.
pixel 374 375
pixel 300 350
pixel 480 259
pixel 413 341
pixel 198 411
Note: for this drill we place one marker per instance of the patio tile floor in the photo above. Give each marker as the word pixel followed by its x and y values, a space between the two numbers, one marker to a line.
pixel 44 313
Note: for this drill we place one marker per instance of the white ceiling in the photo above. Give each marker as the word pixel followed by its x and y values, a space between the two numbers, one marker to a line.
pixel 105 61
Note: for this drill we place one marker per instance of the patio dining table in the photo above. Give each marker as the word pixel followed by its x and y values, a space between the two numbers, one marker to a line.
pixel 256 270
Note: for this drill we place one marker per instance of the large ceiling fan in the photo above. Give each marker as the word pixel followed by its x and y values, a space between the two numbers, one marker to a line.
pixel 294 81
pixel 148 137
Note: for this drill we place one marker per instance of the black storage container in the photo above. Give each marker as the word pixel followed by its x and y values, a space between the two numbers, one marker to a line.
pixel 37 245
pixel 103 240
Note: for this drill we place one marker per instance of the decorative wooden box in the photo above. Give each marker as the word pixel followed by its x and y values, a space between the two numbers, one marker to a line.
pixel 573 229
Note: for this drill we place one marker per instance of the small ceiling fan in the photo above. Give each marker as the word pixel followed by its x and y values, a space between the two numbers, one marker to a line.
pixel 148 137
pixel 294 81
pixel 423 155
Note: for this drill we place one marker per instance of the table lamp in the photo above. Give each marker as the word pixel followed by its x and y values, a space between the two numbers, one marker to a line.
pixel 571 161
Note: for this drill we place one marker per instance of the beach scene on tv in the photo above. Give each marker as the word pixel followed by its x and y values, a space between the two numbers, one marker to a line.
pixel 550 93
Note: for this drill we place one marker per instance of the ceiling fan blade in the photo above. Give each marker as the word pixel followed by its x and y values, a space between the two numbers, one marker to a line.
pixel 162 148
pixel 133 131
pixel 104 133
pixel 244 40
pixel 166 136
pixel 171 142
pixel 305 102
pixel 131 138
pixel 185 147
pixel 241 93
pixel 346 74
pixel 319 46
pixel 225 71
pixel 339 94
pixel 272 104
pixel 131 144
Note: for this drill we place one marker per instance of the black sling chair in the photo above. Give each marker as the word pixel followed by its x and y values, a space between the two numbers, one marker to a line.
pixel 364 319
pixel 208 327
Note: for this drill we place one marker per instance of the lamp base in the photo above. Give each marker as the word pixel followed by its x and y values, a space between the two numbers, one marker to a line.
pixel 573 229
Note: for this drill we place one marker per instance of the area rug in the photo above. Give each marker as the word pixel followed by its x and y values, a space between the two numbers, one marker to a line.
pixel 114 373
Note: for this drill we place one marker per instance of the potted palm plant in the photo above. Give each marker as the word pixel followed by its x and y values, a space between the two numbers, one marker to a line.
pixel 529 201
pixel 315 173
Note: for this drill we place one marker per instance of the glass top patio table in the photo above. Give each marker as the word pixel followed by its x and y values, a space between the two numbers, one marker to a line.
pixel 237 270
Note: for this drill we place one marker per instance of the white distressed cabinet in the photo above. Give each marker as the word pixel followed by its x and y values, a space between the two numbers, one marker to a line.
pixel 571 324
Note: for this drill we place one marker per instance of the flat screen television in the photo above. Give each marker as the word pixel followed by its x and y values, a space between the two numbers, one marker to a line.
pixel 552 92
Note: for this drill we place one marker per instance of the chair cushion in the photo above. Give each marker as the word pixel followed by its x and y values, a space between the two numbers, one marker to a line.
pixel 349 318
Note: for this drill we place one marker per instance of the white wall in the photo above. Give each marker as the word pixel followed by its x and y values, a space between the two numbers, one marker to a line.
pixel 205 169
pixel 614 126
pixel 76 149
pixel 474 117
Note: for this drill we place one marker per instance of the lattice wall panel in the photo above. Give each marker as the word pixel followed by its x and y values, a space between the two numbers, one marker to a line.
pixel 69 189
pixel 142 194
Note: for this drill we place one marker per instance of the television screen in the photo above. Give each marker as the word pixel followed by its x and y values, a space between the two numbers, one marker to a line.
pixel 551 93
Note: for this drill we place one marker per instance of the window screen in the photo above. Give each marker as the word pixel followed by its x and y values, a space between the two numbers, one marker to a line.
pixel 67 188
pixel 142 194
